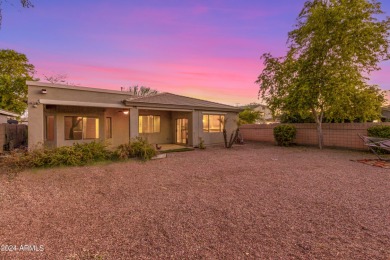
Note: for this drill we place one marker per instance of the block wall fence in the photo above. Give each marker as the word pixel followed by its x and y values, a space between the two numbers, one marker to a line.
pixel 342 135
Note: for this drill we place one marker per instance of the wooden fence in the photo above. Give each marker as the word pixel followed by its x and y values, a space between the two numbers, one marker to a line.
pixel 12 136
pixel 343 135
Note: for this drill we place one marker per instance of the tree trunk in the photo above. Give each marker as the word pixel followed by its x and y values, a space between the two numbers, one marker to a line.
pixel 320 134
pixel 225 137
pixel 233 138
pixel 318 118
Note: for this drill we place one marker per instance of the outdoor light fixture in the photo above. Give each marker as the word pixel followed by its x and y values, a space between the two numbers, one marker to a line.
pixel 125 112
pixel 34 104
pixel 44 91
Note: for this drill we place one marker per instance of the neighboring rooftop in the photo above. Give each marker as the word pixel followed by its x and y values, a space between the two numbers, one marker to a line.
pixel 8 113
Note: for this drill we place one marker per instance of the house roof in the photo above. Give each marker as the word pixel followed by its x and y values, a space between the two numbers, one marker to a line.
pixel 8 113
pixel 81 88
pixel 169 100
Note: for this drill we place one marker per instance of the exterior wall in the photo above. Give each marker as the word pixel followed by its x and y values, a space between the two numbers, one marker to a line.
pixel 38 113
pixel 215 138
pixel 134 113
pixel 166 131
pixel 343 135
pixel 120 126
pixel 196 127
pixel 36 126
pixel 68 94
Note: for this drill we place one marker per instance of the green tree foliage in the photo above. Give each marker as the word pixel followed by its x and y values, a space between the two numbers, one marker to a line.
pixel 24 3
pixel 249 116
pixel 335 46
pixel 15 69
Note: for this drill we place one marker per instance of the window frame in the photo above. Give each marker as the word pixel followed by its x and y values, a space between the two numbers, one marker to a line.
pixel 221 123
pixel 154 118
pixel 83 118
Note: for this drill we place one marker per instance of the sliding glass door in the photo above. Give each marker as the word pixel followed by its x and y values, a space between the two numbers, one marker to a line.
pixel 182 131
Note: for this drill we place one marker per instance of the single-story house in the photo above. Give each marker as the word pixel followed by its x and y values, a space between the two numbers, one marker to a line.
pixel 6 115
pixel 60 115
pixel 266 116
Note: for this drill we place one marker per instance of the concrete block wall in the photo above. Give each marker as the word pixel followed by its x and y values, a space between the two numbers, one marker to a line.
pixel 343 135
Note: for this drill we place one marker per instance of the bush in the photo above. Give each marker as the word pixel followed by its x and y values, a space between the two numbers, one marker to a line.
pixel 382 131
pixel 136 148
pixel 75 155
pixel 285 134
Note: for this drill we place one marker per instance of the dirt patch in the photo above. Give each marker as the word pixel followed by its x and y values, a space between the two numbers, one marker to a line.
pixel 252 201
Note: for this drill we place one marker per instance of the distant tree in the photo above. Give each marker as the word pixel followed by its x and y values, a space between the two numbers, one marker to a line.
pixel 24 3
pixel 251 105
pixel 140 90
pixel 56 79
pixel 249 116
pixel 335 45
pixel 15 69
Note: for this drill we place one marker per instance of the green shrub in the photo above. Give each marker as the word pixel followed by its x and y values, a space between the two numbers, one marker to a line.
pixel 382 131
pixel 285 134
pixel 75 155
pixel 136 148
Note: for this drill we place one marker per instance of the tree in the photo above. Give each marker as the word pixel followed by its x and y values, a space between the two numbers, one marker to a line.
pixel 140 90
pixel 249 116
pixel 24 3
pixel 15 69
pixel 335 46
pixel 56 79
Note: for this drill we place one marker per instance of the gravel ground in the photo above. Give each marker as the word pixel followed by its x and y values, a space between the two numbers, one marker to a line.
pixel 252 201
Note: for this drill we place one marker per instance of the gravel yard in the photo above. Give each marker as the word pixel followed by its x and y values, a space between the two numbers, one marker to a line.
pixel 252 201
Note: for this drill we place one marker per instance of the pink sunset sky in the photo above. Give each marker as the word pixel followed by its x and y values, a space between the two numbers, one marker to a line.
pixel 203 49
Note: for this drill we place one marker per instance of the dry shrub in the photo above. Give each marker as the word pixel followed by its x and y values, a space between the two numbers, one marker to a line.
pixel 136 148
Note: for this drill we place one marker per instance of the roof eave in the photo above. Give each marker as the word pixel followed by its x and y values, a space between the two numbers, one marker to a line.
pixel 168 106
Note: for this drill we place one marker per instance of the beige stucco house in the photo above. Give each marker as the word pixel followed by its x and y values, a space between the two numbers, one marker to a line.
pixel 61 115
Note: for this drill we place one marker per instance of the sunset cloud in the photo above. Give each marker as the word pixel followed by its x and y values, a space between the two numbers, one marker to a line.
pixel 205 49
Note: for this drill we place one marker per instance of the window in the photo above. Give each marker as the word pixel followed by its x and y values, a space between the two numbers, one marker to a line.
pixel 50 128
pixel 108 128
pixel 213 123
pixel 79 128
pixel 148 124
